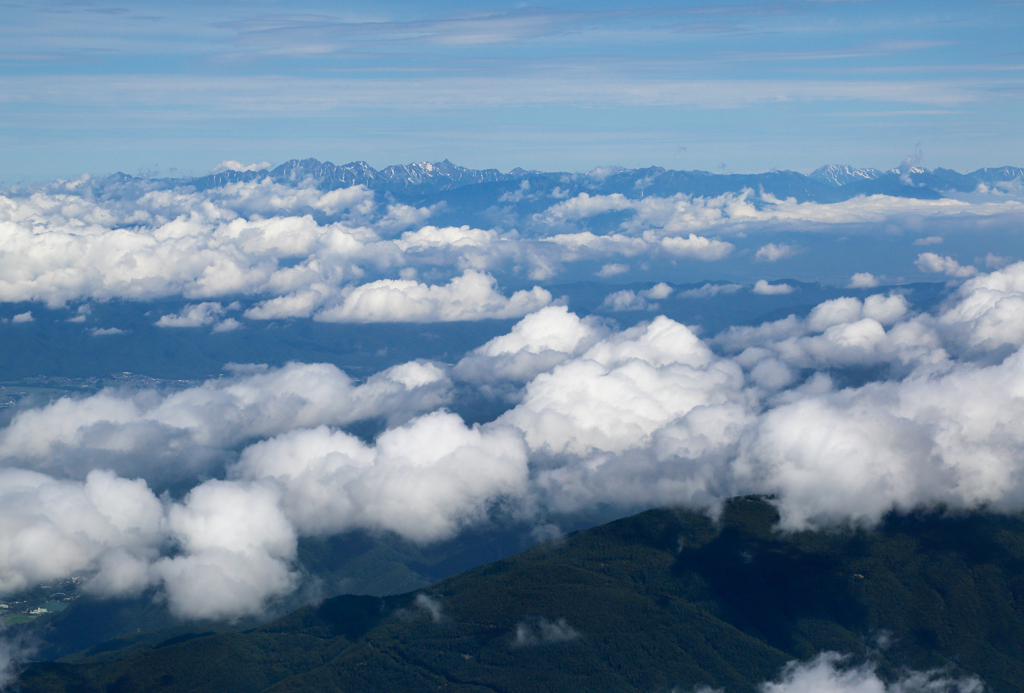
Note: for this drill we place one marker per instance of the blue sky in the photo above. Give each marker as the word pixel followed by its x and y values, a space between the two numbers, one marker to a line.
pixel 175 88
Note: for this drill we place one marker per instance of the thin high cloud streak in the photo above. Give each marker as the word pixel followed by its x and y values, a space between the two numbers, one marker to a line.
pixel 345 255
pixel 645 416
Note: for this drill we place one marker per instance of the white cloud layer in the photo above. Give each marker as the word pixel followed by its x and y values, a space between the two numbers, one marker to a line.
pixel 257 239
pixel 176 435
pixel 300 251
pixel 680 213
pixel 473 296
pixel 644 416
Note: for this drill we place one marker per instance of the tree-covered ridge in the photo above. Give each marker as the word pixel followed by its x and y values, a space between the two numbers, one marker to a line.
pixel 662 599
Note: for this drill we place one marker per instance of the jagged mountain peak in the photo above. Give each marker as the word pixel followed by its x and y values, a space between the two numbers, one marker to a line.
pixel 841 174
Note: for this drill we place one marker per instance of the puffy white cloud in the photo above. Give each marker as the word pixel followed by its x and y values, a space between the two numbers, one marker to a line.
pixel 60 247
pixel 23 317
pixel 840 333
pixel 537 343
pixel 863 280
pixel 472 296
pixel 944 264
pixel 624 300
pixel 227 325
pixel 772 252
pixel 236 548
pixel 622 389
pixel 51 528
pixel 584 206
pixel 928 240
pixel 988 311
pixel 430 237
pixel 298 249
pixel 423 480
pixel 637 300
pixel 300 304
pixel 765 289
pixel 195 315
pixel 612 270
pixel 826 673
pixel 182 434
pixel 234 542
pixel 697 247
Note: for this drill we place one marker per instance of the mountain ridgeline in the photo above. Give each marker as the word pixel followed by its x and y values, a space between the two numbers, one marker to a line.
pixel 663 600
pixel 422 182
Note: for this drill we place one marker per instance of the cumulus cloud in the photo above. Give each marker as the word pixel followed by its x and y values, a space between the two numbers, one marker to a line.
pixel 826 673
pixel 234 542
pixel 242 238
pixel 986 311
pixel 431 237
pixel 536 344
pixel 697 247
pixel 944 264
pixel 298 250
pixel 902 444
pixel 195 315
pixel 611 270
pixel 863 280
pixel 176 435
pixel 227 325
pixel 23 317
pixel 928 240
pixel 843 332
pixel 772 252
pixel 622 389
pixel 472 296
pixel 236 547
pixel 52 528
pixel 765 289
pixel 637 300
pixel 423 480
pixel 300 304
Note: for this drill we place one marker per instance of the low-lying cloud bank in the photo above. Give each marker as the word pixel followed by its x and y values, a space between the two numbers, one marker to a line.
pixel 654 414
pixel 346 255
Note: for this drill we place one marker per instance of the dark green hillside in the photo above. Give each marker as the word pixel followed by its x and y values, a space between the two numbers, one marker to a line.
pixel 655 601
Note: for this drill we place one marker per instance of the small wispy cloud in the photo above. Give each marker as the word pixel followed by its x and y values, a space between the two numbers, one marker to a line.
pixel 765 289
pixel 541 631
pixel 773 252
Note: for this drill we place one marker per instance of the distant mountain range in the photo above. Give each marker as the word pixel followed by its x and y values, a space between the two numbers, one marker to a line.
pixel 423 182
pixel 664 600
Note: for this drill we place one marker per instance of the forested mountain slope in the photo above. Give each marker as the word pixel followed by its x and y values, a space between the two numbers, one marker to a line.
pixel 663 599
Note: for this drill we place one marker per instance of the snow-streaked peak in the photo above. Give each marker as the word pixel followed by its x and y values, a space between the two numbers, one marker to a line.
pixel 841 174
